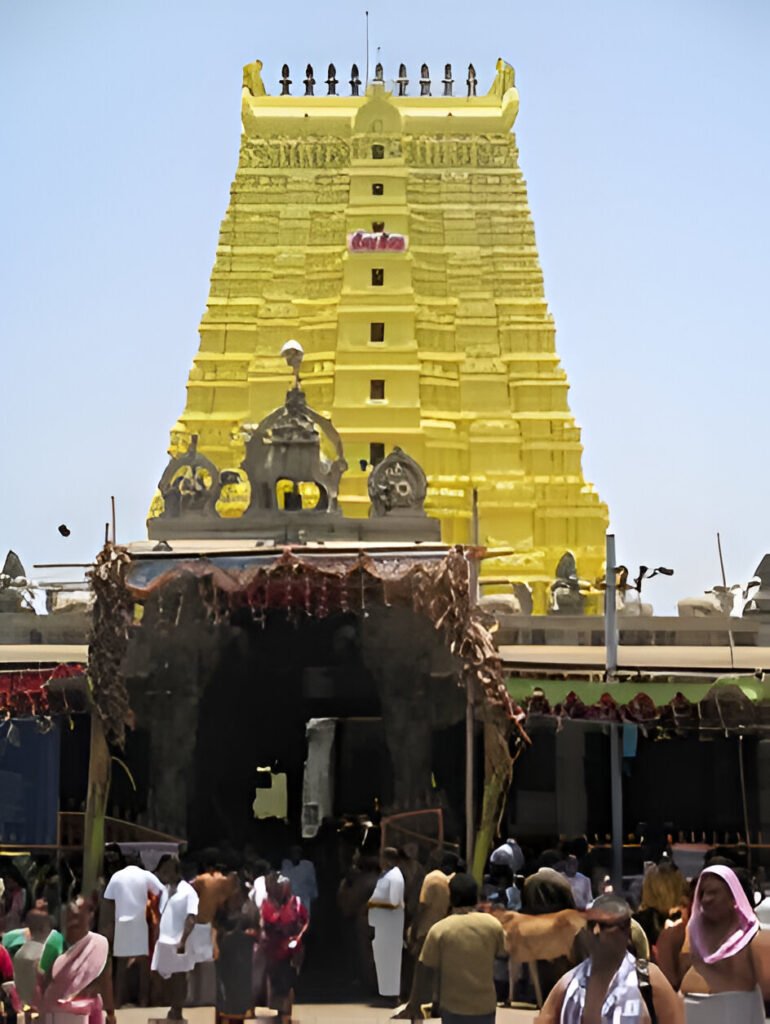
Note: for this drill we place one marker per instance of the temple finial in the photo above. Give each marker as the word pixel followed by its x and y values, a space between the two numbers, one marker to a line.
pixel 309 80
pixel 378 73
pixel 355 81
pixel 448 80
pixel 285 80
pixel 471 80
pixel 331 80
pixel 424 80
pixel 402 81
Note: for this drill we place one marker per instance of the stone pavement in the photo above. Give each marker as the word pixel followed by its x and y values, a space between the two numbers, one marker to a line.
pixel 311 1013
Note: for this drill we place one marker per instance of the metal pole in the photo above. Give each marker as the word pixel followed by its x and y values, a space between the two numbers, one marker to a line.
pixel 367 51
pixel 616 751
pixel 616 780
pixel 724 584
pixel 470 728
pixel 610 616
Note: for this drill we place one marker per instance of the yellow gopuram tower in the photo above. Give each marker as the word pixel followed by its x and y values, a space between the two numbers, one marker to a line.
pixel 390 234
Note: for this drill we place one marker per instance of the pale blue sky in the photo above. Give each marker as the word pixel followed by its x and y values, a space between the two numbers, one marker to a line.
pixel 644 139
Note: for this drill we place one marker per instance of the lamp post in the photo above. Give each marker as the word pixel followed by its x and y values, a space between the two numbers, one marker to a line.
pixel 611 668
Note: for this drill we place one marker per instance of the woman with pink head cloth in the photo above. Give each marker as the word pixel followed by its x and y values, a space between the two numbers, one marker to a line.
pixel 730 972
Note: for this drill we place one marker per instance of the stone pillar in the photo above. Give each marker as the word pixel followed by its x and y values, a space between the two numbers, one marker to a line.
pixel 763 787
pixel 571 801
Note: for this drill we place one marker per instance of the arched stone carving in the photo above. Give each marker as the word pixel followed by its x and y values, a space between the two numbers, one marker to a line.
pixel 286 445
pixel 397 486
pixel 184 487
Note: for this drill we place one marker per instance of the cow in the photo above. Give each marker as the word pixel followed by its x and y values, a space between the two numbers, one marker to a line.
pixel 533 937
pixel 717 601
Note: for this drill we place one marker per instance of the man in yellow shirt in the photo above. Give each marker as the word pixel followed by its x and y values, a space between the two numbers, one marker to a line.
pixel 457 961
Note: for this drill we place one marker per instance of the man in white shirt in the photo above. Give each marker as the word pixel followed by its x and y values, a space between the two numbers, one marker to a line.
pixel 130 888
pixel 580 884
pixel 301 874
pixel 386 916
pixel 172 959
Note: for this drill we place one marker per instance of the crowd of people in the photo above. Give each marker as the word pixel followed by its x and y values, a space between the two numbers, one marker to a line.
pixel 185 933
pixel 424 939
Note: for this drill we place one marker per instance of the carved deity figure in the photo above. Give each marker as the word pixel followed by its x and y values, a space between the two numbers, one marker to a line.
pixel 566 596
pixel 397 485
pixel 190 484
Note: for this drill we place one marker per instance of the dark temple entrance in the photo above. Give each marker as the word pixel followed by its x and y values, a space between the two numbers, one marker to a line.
pixel 269 682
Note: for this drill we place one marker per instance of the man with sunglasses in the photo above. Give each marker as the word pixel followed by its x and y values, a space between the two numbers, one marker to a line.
pixel 612 986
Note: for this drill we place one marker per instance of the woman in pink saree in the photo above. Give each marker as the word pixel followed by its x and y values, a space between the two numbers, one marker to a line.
pixel 73 984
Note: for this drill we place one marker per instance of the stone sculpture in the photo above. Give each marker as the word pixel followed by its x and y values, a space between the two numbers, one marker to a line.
pixel 402 81
pixel 448 80
pixel 717 601
pixel 292 447
pixel 397 486
pixel 424 80
pixel 286 445
pixel 566 595
pixel 285 81
pixel 14 595
pixel 355 81
pixel 471 80
pixel 190 484
pixel 331 80
pixel 758 602
pixel 309 81
pixel 519 602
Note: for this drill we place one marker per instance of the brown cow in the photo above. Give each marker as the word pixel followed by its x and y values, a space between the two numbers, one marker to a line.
pixel 533 937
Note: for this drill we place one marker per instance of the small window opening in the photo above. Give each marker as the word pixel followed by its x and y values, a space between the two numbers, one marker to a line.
pixel 376 452
pixel 378 151
pixel 378 189
pixel 376 332
pixel 377 390
pixel 378 277
pixel 378 225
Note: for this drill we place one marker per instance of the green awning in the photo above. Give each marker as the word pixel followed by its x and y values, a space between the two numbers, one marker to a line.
pixel 660 690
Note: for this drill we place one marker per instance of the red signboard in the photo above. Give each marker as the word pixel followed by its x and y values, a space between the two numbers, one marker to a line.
pixel 376 241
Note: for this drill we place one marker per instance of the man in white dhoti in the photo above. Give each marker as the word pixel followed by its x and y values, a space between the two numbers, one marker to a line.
pixel 130 888
pixel 386 916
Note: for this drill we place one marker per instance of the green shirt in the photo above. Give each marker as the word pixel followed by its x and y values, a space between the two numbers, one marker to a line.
pixel 15 939
pixel 54 945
